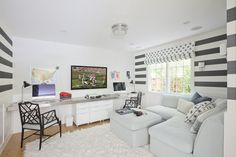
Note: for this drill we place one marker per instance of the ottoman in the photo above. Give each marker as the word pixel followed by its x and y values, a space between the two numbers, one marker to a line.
pixel 132 129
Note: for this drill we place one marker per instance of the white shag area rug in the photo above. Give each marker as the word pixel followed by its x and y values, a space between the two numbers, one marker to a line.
pixel 98 141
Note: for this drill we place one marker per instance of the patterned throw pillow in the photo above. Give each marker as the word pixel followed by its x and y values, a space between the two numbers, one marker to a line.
pixel 198 109
pixel 201 118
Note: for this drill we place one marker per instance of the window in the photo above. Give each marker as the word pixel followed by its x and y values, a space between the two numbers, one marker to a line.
pixel 158 77
pixel 172 77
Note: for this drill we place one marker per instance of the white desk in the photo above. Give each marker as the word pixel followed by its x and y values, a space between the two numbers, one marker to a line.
pixel 83 110
pixel 59 102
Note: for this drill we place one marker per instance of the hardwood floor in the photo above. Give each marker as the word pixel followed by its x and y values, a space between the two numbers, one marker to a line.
pixel 13 149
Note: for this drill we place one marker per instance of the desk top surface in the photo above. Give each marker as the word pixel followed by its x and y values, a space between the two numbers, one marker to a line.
pixel 58 102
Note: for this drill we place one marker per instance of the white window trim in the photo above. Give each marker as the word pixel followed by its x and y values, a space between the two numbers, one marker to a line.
pixel 168 84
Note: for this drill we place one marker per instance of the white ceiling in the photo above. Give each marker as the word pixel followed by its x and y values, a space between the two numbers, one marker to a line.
pixel 88 22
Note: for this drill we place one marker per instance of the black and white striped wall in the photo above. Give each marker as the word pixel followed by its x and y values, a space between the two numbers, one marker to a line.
pixel 231 48
pixel 212 79
pixel 6 62
pixel 140 69
pixel 6 84
pixel 230 115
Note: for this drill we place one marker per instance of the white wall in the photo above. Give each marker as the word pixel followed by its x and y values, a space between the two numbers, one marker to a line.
pixel 35 53
pixel 152 98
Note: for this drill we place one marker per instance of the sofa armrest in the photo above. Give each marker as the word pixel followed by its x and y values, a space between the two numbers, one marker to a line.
pixel 210 138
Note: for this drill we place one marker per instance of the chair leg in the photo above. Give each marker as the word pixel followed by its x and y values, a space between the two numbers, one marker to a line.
pixel 22 138
pixel 60 127
pixel 40 140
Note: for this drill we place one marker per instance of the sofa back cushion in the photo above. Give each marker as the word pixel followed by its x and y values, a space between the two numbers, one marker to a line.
pixel 169 100
pixel 221 103
pixel 184 105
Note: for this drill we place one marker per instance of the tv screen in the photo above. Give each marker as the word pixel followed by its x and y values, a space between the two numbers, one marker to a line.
pixel 42 90
pixel 119 86
pixel 88 77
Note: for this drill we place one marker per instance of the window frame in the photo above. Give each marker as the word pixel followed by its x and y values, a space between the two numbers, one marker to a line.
pixel 168 84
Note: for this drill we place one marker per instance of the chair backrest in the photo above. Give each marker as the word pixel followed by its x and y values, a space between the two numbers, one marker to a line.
pixel 134 102
pixel 139 98
pixel 29 113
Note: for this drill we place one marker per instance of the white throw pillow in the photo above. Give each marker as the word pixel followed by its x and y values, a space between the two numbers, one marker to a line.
pixel 198 109
pixel 184 106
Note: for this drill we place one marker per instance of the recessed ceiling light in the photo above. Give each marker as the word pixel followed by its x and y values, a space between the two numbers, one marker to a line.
pixel 196 28
pixel 186 22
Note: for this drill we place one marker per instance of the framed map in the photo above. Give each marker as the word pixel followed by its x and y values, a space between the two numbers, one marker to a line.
pixel 43 76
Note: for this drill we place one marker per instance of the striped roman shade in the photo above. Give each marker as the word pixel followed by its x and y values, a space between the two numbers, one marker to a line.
pixel 170 54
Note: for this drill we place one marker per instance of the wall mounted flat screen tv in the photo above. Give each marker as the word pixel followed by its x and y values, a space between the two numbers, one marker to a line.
pixel 88 77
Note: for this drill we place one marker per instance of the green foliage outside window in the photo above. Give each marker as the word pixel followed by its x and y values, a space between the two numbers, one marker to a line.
pixel 173 77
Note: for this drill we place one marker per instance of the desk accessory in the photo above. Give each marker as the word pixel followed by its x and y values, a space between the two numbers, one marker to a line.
pixel 65 95
pixel 138 113
pixel 25 85
pixel 92 96
pixel 124 111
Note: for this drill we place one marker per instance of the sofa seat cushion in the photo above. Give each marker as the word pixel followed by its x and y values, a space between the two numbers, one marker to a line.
pixel 175 133
pixel 164 112
pixel 132 122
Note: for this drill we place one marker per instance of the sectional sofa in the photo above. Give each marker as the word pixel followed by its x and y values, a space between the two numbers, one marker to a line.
pixel 173 137
pixel 169 135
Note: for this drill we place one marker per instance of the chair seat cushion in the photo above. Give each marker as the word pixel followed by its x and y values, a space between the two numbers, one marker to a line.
pixel 164 112
pixel 37 126
pixel 132 122
pixel 175 133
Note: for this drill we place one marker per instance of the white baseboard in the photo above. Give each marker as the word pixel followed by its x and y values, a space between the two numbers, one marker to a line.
pixel 6 140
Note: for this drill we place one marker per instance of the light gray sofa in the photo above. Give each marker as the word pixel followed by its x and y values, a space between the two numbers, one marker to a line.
pixel 173 138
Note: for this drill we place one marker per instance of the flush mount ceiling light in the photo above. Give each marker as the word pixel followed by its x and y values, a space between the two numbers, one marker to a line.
pixel 119 29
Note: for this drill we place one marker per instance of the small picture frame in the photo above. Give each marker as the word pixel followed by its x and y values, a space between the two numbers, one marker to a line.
pixel 128 74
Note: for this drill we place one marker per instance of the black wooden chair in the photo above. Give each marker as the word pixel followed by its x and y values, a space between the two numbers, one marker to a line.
pixel 134 102
pixel 31 119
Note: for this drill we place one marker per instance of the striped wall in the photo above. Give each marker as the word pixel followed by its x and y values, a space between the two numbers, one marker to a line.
pixel 140 69
pixel 6 65
pixel 212 79
pixel 230 115
pixel 231 48
pixel 6 81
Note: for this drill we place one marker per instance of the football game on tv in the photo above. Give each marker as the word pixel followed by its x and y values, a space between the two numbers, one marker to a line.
pixel 88 77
